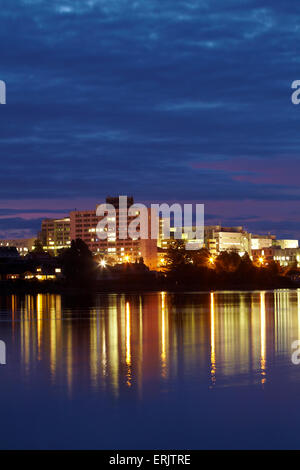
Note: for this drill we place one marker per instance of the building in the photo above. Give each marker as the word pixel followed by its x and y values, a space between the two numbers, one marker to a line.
pixel 55 234
pixel 218 239
pixel 262 241
pixel 287 257
pixel 164 227
pixel 287 243
pixel 210 231
pixel 211 245
pixel 239 242
pixel 264 255
pixel 83 225
pixel 283 256
pixel 186 233
pixel 23 245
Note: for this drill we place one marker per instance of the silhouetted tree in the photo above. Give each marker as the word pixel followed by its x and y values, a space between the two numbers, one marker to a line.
pixel 77 262
pixel 38 247
pixel 177 256
pixel 200 258
pixel 228 261
pixel 274 268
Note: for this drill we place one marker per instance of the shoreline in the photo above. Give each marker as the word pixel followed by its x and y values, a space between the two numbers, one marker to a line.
pixel 97 287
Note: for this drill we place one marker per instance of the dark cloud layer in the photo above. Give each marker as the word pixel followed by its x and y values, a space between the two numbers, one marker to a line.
pixel 150 98
pixel 17 227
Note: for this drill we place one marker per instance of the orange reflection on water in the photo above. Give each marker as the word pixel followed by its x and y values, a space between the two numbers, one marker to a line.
pixel 133 341
pixel 128 346
pixel 13 311
pixel 212 339
pixel 263 337
pixel 39 301
pixel 113 343
pixel 69 356
pixel 55 332
pixel 163 335
pixel 94 349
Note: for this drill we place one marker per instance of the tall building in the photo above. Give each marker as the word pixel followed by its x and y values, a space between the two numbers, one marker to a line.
pixel 83 225
pixel 55 234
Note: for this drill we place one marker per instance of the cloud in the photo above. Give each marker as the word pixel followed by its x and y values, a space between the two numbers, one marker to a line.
pixel 19 228
pixel 150 98
pixel 281 170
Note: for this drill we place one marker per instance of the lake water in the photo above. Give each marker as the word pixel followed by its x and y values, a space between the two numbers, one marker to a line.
pixel 156 370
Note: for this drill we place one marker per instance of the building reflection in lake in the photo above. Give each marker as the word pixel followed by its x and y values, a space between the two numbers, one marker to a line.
pixel 138 342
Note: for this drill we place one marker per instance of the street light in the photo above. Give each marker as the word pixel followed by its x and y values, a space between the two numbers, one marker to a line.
pixel 103 263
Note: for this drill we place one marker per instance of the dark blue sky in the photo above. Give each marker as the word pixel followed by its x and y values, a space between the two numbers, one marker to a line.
pixel 167 100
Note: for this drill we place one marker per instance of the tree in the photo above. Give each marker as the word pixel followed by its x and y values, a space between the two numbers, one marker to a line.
pixel 228 261
pixel 275 269
pixel 200 258
pixel 77 262
pixel 176 256
pixel 38 247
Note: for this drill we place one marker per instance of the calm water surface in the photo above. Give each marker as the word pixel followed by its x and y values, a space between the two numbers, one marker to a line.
pixel 159 370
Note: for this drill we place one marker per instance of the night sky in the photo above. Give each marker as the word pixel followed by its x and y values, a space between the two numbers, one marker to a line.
pixel 165 100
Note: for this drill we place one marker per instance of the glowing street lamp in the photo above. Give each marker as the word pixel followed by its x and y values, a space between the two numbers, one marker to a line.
pixel 261 260
pixel 103 263
pixel 211 260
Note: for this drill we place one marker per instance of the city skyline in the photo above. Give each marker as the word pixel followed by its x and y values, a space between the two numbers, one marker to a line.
pixel 26 223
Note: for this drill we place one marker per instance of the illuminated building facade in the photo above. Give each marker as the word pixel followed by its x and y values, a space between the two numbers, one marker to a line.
pixel 287 244
pixel 285 257
pixel 262 241
pixel 288 257
pixel 83 225
pixel 55 234
pixel 233 241
pixel 216 238
pixel 264 254
pixel 176 233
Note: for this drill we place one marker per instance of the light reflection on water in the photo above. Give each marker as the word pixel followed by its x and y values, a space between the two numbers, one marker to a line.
pixel 129 339
pixel 141 347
